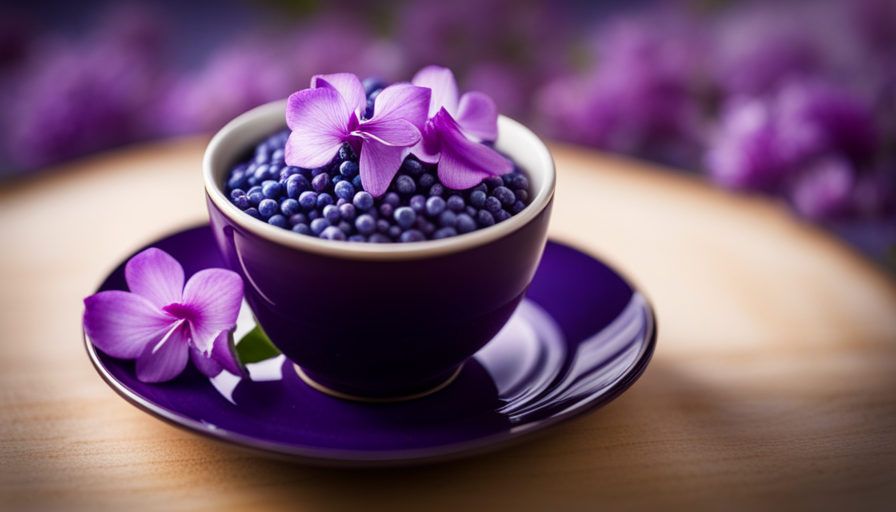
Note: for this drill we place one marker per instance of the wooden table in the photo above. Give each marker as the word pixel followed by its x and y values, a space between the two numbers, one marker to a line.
pixel 773 384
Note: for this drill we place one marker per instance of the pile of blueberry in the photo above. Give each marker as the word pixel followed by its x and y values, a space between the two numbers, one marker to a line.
pixel 329 202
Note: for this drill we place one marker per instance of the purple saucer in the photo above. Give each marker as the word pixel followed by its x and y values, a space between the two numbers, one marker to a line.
pixel 580 338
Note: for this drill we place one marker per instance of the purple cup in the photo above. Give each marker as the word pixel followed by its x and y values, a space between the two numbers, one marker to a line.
pixel 379 321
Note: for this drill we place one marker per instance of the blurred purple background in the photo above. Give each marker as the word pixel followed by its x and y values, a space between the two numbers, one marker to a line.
pixel 792 99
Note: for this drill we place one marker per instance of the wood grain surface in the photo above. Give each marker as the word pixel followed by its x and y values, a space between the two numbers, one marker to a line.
pixel 773 385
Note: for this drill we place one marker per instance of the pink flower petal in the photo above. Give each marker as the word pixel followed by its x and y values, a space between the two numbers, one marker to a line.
pixel 379 163
pixel 402 101
pixel 444 88
pixel 427 150
pixel 318 119
pixel 477 116
pixel 464 163
pixel 391 132
pixel 347 85
pixel 165 359
pixel 216 295
pixel 155 275
pixel 122 324
pixel 207 365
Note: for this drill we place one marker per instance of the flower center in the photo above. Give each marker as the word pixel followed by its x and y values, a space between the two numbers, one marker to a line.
pixel 181 311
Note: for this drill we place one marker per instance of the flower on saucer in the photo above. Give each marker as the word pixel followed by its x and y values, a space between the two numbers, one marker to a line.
pixel 455 129
pixel 330 114
pixel 160 321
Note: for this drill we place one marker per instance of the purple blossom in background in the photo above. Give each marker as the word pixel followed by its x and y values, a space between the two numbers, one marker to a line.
pixel 236 78
pixel 72 99
pixel 641 98
pixel 161 322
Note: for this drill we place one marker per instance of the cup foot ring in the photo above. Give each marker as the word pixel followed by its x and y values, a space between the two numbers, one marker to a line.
pixel 373 400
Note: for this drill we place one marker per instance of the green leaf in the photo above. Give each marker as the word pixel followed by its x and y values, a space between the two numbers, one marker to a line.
pixel 255 346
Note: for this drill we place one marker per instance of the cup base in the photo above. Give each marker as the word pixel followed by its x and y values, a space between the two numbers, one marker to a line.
pixel 373 400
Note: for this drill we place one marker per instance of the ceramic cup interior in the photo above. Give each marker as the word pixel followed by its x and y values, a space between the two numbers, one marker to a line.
pixel 379 320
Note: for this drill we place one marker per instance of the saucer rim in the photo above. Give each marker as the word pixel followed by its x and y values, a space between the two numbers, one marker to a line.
pixel 383 458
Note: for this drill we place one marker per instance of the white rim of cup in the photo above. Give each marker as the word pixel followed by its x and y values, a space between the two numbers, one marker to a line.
pixel 267 119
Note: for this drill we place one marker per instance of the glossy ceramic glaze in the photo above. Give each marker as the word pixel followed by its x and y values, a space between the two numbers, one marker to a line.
pixel 372 320
pixel 580 338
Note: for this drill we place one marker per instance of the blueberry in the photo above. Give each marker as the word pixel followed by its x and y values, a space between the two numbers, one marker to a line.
pixel 485 219
pixel 394 231
pixel 319 225
pixel 435 206
pixel 289 207
pixel 448 219
pixel 253 212
pixel 425 226
pixel 444 233
pixel 277 156
pixel 331 213
pixel 412 167
pixel 405 185
pixel 412 235
pixel 298 218
pixel 348 211
pixel 365 224
pixel 501 215
pixel 521 195
pixel 477 198
pixel 261 172
pixel 308 200
pixel 341 201
pixel 255 188
pixel 348 169
pixel 505 195
pixel 379 238
pixel 277 220
pixel 321 182
pixel 344 190
pixel 517 207
pixel 313 214
pixel 493 182
pixel 302 229
pixel 286 172
pixel 336 179
pixel 425 181
pixel 357 238
pixel 437 189
pixel 237 179
pixel 235 193
pixel 405 217
pixel 507 179
pixel 323 200
pixel 492 204
pixel 363 201
pixel 332 233
pixel 267 207
pixel 520 182
pixel 465 223
pixel 356 182
pixel 386 210
pixel 418 204
pixel 382 225
pixel 241 202
pixel 392 198
pixel 254 197
pixel 456 203
pixel 317 171
pixel 471 211
pixel 372 83
pixel 347 153
pixel 482 187
pixel 345 227
pixel 262 155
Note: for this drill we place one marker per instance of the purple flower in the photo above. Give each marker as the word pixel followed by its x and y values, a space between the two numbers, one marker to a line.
pixel 160 320
pixel 824 189
pixel 454 130
pixel 329 115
